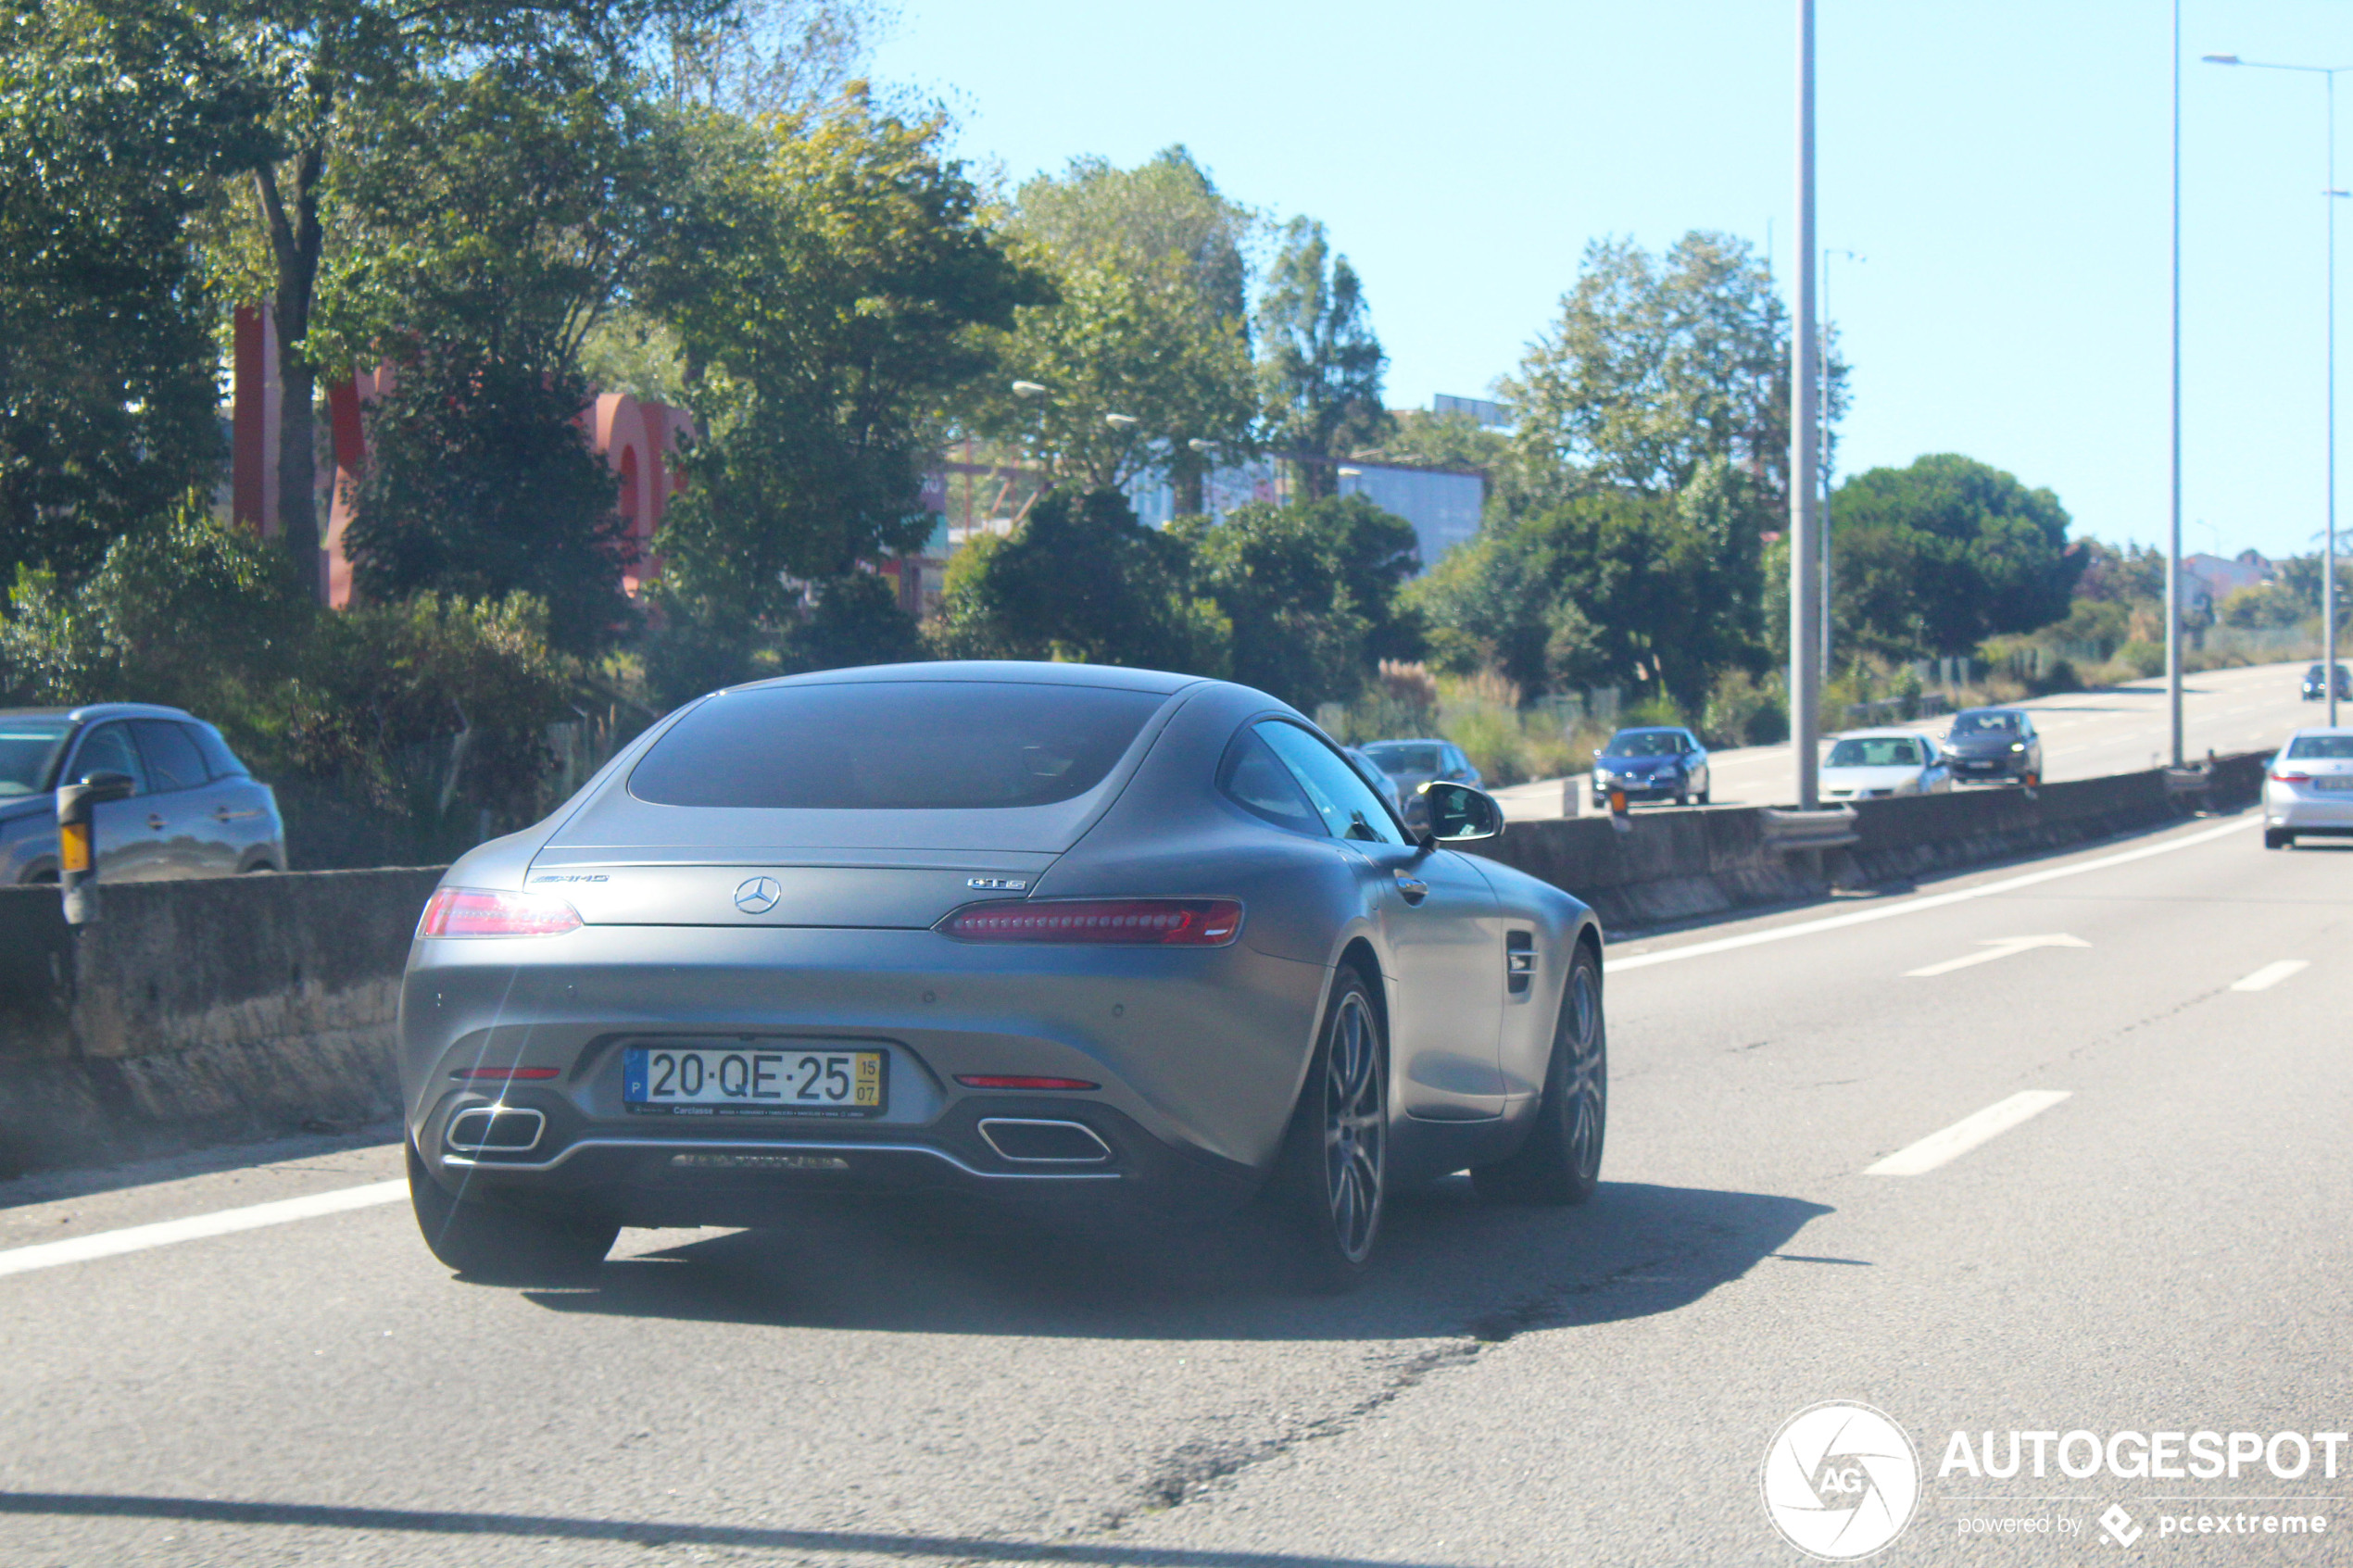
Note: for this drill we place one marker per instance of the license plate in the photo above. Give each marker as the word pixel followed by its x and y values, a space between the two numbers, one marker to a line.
pixel 2333 781
pixel 752 1081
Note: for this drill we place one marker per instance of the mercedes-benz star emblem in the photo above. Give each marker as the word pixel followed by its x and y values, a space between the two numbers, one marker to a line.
pixel 758 895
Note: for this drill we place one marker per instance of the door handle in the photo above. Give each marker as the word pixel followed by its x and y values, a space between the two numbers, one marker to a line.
pixel 1413 887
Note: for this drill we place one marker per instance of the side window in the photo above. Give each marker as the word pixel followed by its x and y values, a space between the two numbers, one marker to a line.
pixel 219 760
pixel 172 760
pixel 1345 802
pixel 1257 781
pixel 107 750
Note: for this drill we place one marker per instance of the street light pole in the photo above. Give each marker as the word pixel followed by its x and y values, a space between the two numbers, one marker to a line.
pixel 2173 547
pixel 2331 196
pixel 1804 441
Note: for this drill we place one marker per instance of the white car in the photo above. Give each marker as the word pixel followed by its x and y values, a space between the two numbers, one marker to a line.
pixel 2308 788
pixel 1875 764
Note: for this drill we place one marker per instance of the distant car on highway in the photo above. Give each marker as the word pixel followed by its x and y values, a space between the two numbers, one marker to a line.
pixel 1995 744
pixel 195 810
pixel 1413 764
pixel 2308 790
pixel 1383 785
pixel 2315 687
pixel 1879 764
pixel 1652 762
pixel 1083 937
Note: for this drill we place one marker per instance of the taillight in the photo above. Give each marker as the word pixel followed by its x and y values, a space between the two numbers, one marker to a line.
pixel 477 912
pixel 2291 778
pixel 505 1074
pixel 1133 922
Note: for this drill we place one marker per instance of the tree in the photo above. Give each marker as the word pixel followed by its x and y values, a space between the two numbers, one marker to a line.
pixel 1613 587
pixel 318 69
pixel 480 485
pixel 508 210
pixel 767 57
pixel 1656 366
pixel 826 287
pixel 1081 579
pixel 1320 374
pixel 1310 590
pixel 113 122
pixel 1936 558
pixel 1145 323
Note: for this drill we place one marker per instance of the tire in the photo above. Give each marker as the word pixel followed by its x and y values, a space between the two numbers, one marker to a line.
pixel 1331 1182
pixel 502 1245
pixel 1560 1164
pixel 1702 796
pixel 2278 838
pixel 1684 799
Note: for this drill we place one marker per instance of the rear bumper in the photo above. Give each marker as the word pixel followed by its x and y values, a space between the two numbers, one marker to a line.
pixel 1660 791
pixel 754 1175
pixel 1199 1055
pixel 2303 813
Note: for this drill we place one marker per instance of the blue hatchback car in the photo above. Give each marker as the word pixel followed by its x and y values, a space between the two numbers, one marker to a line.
pixel 195 810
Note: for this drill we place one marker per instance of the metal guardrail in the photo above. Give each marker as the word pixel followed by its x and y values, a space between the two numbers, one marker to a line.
pixel 1788 830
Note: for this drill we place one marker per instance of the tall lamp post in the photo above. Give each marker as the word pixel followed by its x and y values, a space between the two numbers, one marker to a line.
pixel 2330 196
pixel 1804 451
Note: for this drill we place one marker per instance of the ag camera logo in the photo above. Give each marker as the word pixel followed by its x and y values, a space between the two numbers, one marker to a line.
pixel 1840 1480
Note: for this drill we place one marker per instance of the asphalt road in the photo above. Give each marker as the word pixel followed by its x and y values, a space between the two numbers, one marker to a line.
pixel 2085 734
pixel 2163 1248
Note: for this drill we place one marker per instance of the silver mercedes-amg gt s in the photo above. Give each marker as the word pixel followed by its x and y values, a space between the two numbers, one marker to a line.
pixel 1048 932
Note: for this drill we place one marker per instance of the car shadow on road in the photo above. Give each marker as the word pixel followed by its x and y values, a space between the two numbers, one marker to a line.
pixel 1449 1267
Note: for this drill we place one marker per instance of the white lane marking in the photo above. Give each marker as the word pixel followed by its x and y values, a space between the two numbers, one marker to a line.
pixel 1940 1148
pixel 2270 974
pixel 1925 901
pixel 165 1233
pixel 1998 947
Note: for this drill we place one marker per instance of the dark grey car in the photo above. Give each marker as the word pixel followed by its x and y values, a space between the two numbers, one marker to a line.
pixel 1994 745
pixel 194 810
pixel 1413 764
pixel 1039 932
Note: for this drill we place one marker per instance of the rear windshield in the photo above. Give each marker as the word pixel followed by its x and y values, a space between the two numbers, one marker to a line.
pixel 28 750
pixel 1392 756
pixel 1895 751
pixel 2322 749
pixel 1645 743
pixel 1986 724
pixel 882 745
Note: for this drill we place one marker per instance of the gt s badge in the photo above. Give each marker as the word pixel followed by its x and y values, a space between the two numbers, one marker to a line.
pixel 996 883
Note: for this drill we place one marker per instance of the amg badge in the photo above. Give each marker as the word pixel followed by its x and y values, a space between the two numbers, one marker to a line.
pixel 997 883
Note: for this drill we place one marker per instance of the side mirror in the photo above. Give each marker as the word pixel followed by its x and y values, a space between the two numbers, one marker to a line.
pixel 108 786
pixel 1459 814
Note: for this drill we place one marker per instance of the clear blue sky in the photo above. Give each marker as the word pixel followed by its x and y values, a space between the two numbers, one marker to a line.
pixel 2001 167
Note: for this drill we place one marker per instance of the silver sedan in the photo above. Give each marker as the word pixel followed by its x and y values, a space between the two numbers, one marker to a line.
pixel 1037 932
pixel 2308 790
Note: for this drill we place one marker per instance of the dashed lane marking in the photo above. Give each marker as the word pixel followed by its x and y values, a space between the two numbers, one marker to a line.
pixel 2270 974
pixel 227 1221
pixel 1942 1148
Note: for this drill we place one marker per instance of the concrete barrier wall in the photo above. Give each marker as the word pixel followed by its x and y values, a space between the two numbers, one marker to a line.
pixel 207 1012
pixel 199 1012
pixel 1675 865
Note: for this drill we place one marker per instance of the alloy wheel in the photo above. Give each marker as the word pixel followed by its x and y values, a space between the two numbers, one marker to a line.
pixel 1584 1080
pixel 1355 1129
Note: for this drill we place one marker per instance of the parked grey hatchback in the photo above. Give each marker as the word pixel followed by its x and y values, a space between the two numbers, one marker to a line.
pixel 195 810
